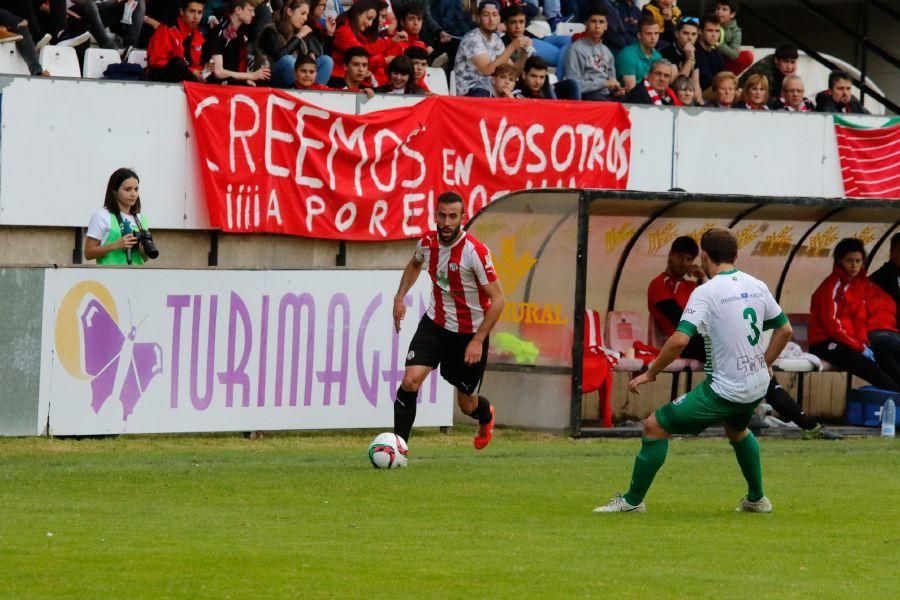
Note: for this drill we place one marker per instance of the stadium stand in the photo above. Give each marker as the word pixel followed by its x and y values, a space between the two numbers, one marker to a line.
pixel 624 326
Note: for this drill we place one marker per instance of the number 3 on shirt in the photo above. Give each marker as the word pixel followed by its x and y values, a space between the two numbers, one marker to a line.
pixel 750 315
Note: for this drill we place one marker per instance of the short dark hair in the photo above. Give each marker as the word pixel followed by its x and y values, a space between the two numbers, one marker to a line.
pixel 836 76
pixel 116 180
pixel 236 4
pixel 787 51
pixel 354 52
pixel 450 198
pixel 513 10
pixel 645 21
pixel 720 245
pixel 305 59
pixel 402 65
pixel 535 62
pixel 710 18
pixel 183 4
pixel 848 245
pixel 412 8
pixel 595 9
pixel 416 53
pixel 733 5
pixel 685 244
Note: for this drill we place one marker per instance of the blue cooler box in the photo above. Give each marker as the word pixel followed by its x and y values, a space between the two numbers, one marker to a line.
pixel 864 406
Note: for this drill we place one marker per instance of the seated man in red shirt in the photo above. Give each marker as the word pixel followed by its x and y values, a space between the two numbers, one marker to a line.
pixel 305 72
pixel 356 72
pixel 173 53
pixel 668 295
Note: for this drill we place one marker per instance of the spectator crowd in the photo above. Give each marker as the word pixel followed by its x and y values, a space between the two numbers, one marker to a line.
pixel 629 51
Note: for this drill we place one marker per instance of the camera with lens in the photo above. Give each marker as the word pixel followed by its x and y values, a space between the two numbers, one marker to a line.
pixel 146 242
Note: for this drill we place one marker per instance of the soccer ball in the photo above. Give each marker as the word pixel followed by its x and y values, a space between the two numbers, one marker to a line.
pixel 388 451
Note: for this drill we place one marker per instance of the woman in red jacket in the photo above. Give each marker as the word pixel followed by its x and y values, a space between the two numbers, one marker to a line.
pixel 360 26
pixel 838 328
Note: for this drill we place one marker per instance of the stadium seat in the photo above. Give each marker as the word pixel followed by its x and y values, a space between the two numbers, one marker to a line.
pixel 436 80
pixel 452 83
pixel 11 62
pixel 137 57
pixel 553 78
pixel 569 29
pixel 97 59
pixel 60 61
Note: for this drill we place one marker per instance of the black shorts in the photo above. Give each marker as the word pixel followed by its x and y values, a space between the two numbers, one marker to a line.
pixel 432 345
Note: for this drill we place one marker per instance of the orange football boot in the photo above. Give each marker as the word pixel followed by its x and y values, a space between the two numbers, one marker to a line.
pixel 485 433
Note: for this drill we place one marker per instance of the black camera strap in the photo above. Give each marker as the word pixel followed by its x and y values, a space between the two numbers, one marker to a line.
pixel 137 222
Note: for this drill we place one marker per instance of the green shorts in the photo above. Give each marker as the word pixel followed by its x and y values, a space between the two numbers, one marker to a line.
pixel 702 407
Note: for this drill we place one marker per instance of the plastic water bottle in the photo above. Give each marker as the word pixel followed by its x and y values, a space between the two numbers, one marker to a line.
pixel 888 419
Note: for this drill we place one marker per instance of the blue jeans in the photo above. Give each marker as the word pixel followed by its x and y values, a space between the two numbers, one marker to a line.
pixel 550 47
pixel 283 71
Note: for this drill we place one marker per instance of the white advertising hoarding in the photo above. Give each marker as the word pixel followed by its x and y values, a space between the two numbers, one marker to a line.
pixel 154 351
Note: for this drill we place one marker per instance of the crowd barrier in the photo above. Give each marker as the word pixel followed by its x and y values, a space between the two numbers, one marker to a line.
pixel 62 138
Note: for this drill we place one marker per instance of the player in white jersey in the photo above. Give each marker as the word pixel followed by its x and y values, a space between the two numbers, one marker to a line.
pixel 730 311
pixel 466 301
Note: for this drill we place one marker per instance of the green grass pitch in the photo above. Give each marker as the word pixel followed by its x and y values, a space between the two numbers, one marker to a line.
pixel 306 516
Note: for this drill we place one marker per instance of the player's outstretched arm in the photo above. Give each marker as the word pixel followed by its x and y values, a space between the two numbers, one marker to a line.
pixel 491 316
pixel 410 274
pixel 671 350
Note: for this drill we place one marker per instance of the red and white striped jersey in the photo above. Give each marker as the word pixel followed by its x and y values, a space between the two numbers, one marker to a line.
pixel 458 276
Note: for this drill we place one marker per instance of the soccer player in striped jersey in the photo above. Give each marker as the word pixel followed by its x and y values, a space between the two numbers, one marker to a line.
pixel 466 301
pixel 730 311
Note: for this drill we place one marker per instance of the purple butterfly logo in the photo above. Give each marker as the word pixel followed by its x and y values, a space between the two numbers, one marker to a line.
pixel 116 363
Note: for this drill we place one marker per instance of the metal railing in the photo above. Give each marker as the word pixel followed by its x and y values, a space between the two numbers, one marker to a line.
pixel 859 35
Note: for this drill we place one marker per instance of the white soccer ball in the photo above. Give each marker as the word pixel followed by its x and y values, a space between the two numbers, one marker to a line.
pixel 388 451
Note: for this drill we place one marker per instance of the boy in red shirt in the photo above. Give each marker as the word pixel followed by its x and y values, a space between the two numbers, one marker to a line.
pixel 305 75
pixel 173 53
pixel 669 291
pixel 419 58
pixel 411 23
pixel 356 72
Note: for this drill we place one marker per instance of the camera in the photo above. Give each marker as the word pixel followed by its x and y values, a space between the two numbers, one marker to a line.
pixel 146 241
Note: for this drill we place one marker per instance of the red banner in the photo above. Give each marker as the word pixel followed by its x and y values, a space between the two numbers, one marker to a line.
pixel 274 163
pixel 870 158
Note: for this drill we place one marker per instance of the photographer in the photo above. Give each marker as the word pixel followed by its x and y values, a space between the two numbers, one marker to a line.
pixel 117 233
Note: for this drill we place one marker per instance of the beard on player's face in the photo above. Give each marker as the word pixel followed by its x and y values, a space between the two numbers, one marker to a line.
pixel 448 234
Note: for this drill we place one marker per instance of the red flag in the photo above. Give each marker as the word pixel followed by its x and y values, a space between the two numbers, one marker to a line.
pixel 870 158
pixel 273 163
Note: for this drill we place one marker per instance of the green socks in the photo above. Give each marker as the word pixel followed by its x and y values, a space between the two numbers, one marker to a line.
pixel 646 464
pixel 747 452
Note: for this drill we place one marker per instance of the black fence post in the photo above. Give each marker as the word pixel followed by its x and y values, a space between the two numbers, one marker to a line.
pixel 578 318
